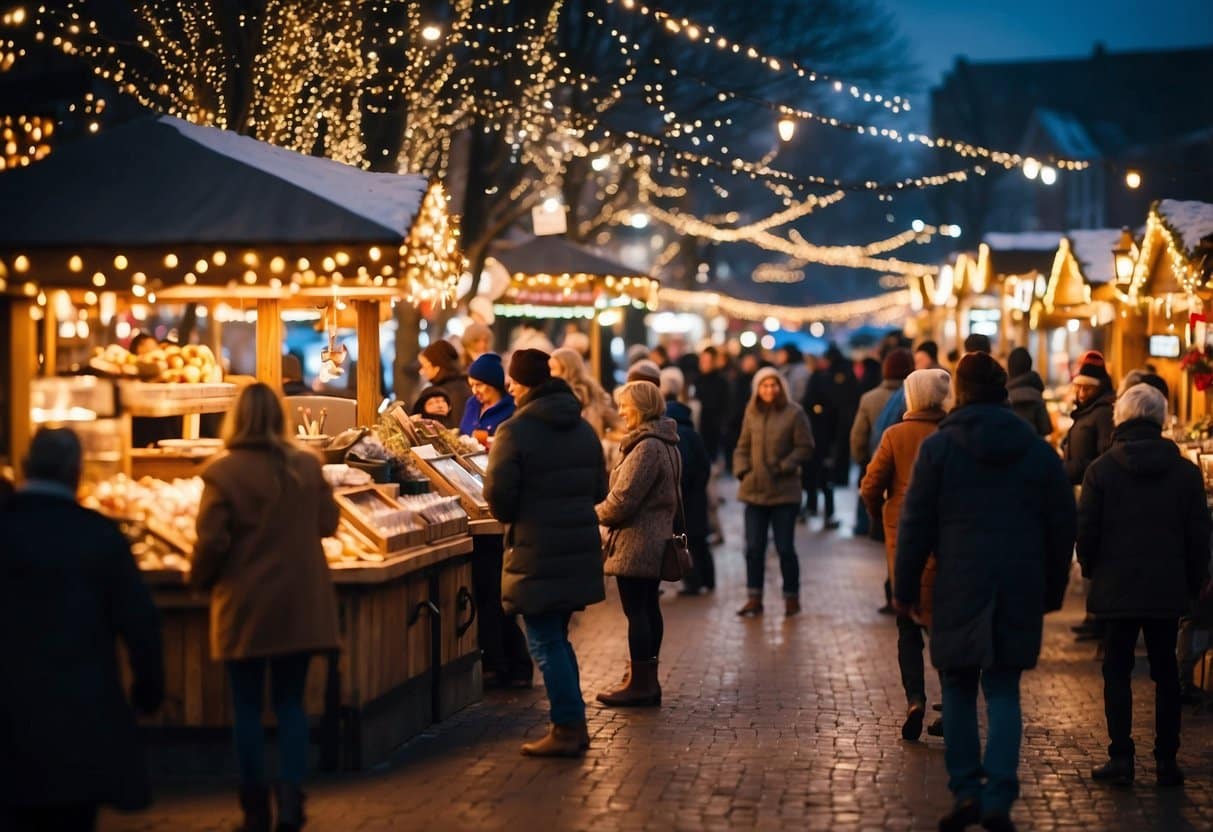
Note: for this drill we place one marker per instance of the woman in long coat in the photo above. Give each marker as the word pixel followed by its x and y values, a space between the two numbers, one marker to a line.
pixel 883 489
pixel 638 516
pixel 265 507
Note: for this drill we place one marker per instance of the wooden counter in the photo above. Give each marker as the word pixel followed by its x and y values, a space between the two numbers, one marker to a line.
pixel 408 658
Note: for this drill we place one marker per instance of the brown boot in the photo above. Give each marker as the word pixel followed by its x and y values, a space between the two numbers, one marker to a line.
pixel 791 606
pixel 560 741
pixel 255 805
pixel 638 691
pixel 752 608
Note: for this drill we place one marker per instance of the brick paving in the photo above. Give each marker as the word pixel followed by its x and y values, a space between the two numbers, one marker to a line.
pixel 767 724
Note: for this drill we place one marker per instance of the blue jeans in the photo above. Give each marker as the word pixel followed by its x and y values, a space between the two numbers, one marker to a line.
pixel 288 677
pixel 782 520
pixel 547 635
pixel 962 751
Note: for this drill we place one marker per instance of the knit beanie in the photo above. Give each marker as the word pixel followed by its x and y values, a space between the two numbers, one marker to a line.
pixel 926 389
pixel 1019 362
pixel 897 365
pixel 1092 370
pixel 645 371
pixel 530 367
pixel 476 332
pixel 672 382
pixel 488 369
pixel 980 380
pixel 637 352
pixel 442 354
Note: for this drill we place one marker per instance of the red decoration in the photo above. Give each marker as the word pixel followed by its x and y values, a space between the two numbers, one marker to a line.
pixel 1198 362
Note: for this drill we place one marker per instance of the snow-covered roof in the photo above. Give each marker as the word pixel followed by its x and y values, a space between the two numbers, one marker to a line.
pixel 1192 220
pixel 1070 137
pixel 1022 240
pixel 1092 248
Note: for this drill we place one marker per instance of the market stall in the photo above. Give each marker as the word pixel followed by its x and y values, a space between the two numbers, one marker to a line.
pixel 163 211
pixel 551 277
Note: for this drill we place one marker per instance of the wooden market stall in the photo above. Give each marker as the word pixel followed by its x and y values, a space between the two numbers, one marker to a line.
pixel 163 211
pixel 551 276
pixel 1164 303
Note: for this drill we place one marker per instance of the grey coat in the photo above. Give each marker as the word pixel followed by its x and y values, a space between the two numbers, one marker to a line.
pixel 772 447
pixel 870 405
pixel 638 513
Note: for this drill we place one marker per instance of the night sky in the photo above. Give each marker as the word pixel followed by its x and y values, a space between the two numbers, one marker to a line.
pixel 938 30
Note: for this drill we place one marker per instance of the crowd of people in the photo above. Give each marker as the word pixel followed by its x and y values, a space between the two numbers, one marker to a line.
pixel 977 512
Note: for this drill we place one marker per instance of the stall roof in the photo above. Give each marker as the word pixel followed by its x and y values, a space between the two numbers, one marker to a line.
pixel 1092 249
pixel 160 182
pixel 1192 220
pixel 1022 252
pixel 555 255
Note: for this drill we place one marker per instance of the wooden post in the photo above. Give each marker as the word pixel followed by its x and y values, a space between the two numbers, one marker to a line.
pixel 369 370
pixel 269 342
pixel 1044 363
pixel 50 343
pixel 596 347
pixel 23 359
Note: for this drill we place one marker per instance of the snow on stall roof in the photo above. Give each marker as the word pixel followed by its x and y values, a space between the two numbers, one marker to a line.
pixel 1069 135
pixel 1092 248
pixel 1022 240
pixel 1193 220
pixel 392 200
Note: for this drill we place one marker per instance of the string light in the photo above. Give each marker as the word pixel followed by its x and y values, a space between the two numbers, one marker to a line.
pixel 26 139
pixel 712 302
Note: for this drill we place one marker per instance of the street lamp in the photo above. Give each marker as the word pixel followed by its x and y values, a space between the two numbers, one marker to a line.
pixel 1123 257
pixel 787 129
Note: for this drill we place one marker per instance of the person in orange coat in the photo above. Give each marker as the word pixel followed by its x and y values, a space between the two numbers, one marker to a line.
pixel 883 489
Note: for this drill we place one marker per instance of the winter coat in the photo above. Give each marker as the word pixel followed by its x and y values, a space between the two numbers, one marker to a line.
pixel 871 404
pixel 712 392
pixel 887 479
pixel 475 417
pixel 455 385
pixel 1143 527
pixel 638 513
pixel 831 402
pixel 991 500
pixel 69 590
pixel 258 552
pixel 1089 436
pixel 797 376
pixel 772 447
pixel 1026 394
pixel 544 477
pixel 601 414
pixel 890 415
pixel 696 470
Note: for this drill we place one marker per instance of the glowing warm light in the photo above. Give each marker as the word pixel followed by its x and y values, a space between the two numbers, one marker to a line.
pixel 170 261
pixel 748 339
pixel 600 163
pixel 120 262
pixel 787 129
pixel 1048 175
pixel 431 33
pixel 1133 180
pixel 75 263
pixel 1031 168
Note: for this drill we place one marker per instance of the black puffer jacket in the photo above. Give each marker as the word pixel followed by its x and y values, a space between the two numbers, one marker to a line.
pixel 1090 435
pixel 1143 527
pixel 695 471
pixel 991 500
pixel 1026 394
pixel 545 476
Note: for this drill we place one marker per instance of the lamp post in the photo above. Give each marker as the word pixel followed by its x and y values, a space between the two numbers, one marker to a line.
pixel 1123 257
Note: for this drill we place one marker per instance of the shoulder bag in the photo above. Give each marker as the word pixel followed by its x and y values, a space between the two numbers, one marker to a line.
pixel 676 561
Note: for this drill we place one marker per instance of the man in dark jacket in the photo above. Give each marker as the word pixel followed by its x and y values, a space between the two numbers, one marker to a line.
pixel 1025 390
pixel 990 499
pixel 830 402
pixel 545 476
pixel 1143 541
pixel 69 590
pixel 694 485
pixel 712 391
pixel 1091 433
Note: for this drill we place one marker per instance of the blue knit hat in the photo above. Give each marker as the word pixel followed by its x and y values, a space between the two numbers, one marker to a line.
pixel 488 369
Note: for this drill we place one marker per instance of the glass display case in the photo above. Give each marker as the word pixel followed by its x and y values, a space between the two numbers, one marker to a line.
pixel 87 405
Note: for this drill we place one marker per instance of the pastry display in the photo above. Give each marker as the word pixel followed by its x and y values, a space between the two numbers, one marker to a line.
pixel 188 364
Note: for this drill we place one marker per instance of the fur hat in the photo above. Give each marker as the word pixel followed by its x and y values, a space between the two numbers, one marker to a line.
pixel 488 369
pixel 897 365
pixel 442 354
pixel 926 389
pixel 645 370
pixel 530 367
pixel 980 380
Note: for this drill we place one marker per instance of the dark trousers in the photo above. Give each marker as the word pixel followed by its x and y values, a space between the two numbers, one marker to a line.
pixel 863 523
pixel 502 643
pixel 816 477
pixel 962 747
pixel 1120 640
pixel 72 817
pixel 645 625
pixel 288 677
pixel 703 576
pixel 909 659
pixel 781 520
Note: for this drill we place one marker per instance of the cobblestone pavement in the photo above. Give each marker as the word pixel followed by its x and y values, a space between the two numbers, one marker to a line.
pixel 767 724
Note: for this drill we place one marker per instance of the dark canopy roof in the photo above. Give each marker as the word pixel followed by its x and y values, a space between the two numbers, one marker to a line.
pixel 161 182
pixel 556 255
